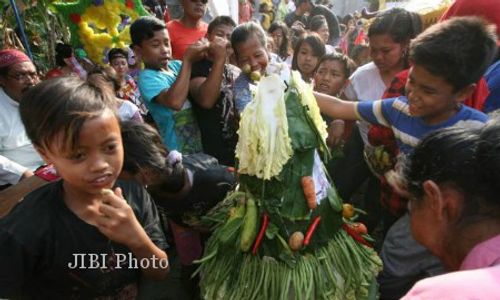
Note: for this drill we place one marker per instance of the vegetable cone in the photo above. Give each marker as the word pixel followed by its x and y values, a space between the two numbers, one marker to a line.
pixel 282 132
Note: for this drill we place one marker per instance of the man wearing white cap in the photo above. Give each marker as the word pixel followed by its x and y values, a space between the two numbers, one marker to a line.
pixel 18 158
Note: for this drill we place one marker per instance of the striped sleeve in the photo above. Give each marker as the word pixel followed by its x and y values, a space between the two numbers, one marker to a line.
pixel 375 112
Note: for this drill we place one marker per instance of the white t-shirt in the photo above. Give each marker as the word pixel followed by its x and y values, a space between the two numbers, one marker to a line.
pixel 365 84
pixel 17 154
pixel 128 111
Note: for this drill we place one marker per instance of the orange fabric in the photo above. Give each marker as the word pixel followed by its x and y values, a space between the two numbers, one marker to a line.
pixel 181 37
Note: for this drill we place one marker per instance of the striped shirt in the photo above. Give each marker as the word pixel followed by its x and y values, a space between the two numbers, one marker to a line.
pixel 409 130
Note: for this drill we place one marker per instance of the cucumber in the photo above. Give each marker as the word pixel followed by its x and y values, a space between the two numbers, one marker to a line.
pixel 249 229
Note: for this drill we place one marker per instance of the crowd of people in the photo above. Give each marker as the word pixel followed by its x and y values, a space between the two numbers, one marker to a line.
pixel 124 158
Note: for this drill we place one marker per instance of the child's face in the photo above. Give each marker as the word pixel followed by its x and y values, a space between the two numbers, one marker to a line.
pixel 330 78
pixel 363 57
pixel 324 33
pixel 156 51
pixel 306 60
pixel 120 65
pixel 253 53
pixel 222 31
pixel 97 160
pixel 431 97
pixel 277 36
pixel 385 53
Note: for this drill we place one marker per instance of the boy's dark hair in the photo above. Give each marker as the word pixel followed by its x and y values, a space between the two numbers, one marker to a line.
pixel 348 65
pixel 458 50
pixel 400 24
pixel 117 53
pixel 284 48
pixel 62 105
pixel 144 28
pixel 316 43
pixel 63 51
pixel 245 31
pixel 218 21
pixel 299 2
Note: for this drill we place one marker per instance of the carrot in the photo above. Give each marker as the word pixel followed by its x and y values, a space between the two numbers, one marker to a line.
pixel 260 236
pixel 309 192
pixel 311 230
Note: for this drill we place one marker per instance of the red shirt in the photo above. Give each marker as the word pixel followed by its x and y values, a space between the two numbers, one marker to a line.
pixel 488 9
pixel 181 37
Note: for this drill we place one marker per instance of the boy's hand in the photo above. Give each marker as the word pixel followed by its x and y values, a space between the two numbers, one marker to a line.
pixel 335 133
pixel 196 51
pixel 118 221
pixel 218 49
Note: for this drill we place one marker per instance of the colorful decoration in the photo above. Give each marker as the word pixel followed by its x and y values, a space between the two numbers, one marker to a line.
pixel 98 25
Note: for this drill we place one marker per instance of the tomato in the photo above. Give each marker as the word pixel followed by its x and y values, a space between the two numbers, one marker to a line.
pixel 347 211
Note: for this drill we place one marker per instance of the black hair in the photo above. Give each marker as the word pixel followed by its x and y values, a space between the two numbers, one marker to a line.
pixel 117 53
pixel 108 74
pixel 218 21
pixel 459 50
pixel 299 2
pixel 62 105
pixel 144 28
pixel 347 18
pixel 357 50
pixel 348 65
pixel 400 24
pixel 245 31
pixel 465 159
pixel 284 48
pixel 316 43
pixel 331 20
pixel 317 22
pixel 63 51
pixel 144 150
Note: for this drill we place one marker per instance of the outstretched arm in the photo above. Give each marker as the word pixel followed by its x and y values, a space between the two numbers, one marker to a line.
pixel 336 108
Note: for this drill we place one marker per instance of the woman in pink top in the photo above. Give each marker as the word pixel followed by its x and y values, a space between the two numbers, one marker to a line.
pixel 453 181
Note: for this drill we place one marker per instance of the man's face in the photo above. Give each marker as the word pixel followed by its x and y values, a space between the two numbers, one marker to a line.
pixel 194 9
pixel 19 79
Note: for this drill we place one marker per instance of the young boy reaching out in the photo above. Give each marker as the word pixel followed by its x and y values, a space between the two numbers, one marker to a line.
pixel 447 59
pixel 77 238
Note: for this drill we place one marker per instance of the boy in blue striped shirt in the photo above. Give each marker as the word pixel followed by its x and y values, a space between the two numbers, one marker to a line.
pixel 447 59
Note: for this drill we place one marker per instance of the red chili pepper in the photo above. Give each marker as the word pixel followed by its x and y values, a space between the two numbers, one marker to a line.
pixel 358 238
pixel 311 230
pixel 260 236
